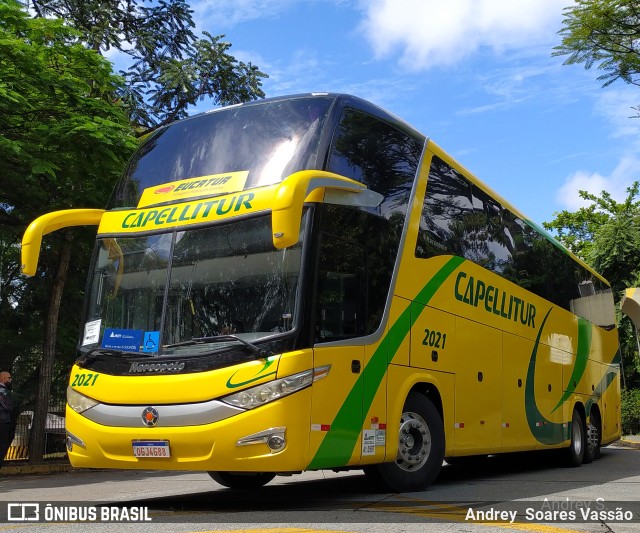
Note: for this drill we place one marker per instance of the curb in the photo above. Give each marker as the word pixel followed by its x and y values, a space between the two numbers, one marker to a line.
pixel 629 443
pixel 41 468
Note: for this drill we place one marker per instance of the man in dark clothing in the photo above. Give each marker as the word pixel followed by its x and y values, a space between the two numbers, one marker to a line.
pixel 7 422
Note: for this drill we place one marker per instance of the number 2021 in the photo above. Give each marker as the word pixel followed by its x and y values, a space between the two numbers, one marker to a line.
pixel 84 380
pixel 435 339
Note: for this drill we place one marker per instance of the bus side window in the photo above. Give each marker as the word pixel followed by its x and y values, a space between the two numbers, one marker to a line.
pixel 341 296
pixel 382 156
pixel 459 218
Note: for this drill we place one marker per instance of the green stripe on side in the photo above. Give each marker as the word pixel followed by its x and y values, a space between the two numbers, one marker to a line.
pixel 608 378
pixel 543 430
pixel 582 356
pixel 337 446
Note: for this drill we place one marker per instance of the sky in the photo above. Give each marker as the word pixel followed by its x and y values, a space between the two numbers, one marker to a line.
pixel 475 76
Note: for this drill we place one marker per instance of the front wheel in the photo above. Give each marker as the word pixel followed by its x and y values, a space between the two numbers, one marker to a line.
pixel 420 447
pixel 242 481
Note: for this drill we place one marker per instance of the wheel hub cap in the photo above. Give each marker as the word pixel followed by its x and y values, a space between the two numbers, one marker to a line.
pixel 414 444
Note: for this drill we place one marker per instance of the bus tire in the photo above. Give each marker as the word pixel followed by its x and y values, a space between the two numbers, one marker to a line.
pixel 576 450
pixel 593 437
pixel 420 447
pixel 242 481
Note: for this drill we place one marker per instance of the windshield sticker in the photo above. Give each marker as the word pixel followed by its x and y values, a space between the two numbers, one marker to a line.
pixel 151 341
pixel 127 340
pixel 91 332
pixel 194 187
pixel 197 212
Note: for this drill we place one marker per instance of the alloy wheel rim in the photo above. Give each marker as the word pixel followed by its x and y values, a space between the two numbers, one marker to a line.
pixel 414 446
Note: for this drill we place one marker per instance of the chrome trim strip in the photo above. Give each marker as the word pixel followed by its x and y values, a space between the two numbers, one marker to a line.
pixel 188 414
pixel 71 438
pixel 262 437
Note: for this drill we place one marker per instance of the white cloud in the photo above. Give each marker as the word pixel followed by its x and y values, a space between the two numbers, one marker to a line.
pixel 615 106
pixel 432 33
pixel 616 183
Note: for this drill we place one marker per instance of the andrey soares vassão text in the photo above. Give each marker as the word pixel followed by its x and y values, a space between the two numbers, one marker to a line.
pixel 555 511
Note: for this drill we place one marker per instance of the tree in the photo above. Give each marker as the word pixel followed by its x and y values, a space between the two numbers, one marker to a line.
pixel 606 234
pixel 66 130
pixel 171 69
pixel 63 141
pixel 604 33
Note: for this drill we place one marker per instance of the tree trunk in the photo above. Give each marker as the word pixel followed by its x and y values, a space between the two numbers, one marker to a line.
pixel 37 434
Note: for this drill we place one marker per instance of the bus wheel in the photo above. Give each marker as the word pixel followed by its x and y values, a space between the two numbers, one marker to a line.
pixel 592 450
pixel 420 447
pixel 576 450
pixel 242 481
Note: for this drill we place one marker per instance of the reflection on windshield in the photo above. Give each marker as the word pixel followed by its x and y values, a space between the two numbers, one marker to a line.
pixel 268 140
pixel 221 280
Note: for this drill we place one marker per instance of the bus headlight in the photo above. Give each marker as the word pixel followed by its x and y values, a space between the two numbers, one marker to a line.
pixel 79 402
pixel 268 392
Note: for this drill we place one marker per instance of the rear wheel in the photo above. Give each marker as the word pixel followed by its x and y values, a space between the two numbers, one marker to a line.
pixel 593 437
pixel 420 447
pixel 242 481
pixel 576 450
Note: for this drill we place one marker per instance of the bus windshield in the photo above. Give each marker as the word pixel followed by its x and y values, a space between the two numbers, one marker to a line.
pixel 159 290
pixel 267 141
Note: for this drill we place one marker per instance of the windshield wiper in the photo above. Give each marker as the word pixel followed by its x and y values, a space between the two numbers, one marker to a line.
pixel 220 338
pixel 106 351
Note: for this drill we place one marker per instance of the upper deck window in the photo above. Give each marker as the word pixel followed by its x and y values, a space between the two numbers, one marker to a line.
pixel 459 218
pixel 267 140
pixel 376 153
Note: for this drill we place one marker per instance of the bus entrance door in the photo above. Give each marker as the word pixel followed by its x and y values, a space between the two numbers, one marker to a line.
pixel 336 409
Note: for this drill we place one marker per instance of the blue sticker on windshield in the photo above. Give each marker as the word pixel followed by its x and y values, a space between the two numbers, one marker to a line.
pixel 151 341
pixel 128 340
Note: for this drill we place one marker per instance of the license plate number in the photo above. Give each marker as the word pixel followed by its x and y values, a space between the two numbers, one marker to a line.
pixel 151 448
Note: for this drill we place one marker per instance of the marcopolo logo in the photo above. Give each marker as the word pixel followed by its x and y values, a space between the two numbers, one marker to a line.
pixel 141 368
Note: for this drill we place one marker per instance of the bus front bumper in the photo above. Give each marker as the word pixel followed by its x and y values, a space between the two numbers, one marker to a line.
pixel 240 443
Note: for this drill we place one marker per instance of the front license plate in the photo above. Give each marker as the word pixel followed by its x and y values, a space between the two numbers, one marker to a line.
pixel 151 448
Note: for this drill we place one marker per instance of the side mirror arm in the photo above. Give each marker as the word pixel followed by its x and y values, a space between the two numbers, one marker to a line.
pixel 32 238
pixel 299 187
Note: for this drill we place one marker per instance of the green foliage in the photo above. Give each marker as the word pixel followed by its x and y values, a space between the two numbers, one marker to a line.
pixel 67 127
pixel 630 411
pixel 171 69
pixel 606 234
pixel 63 142
pixel 604 33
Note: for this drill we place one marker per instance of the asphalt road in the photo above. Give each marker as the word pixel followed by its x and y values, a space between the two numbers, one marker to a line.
pixel 460 500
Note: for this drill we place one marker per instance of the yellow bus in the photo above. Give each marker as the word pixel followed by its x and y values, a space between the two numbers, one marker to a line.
pixel 307 282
